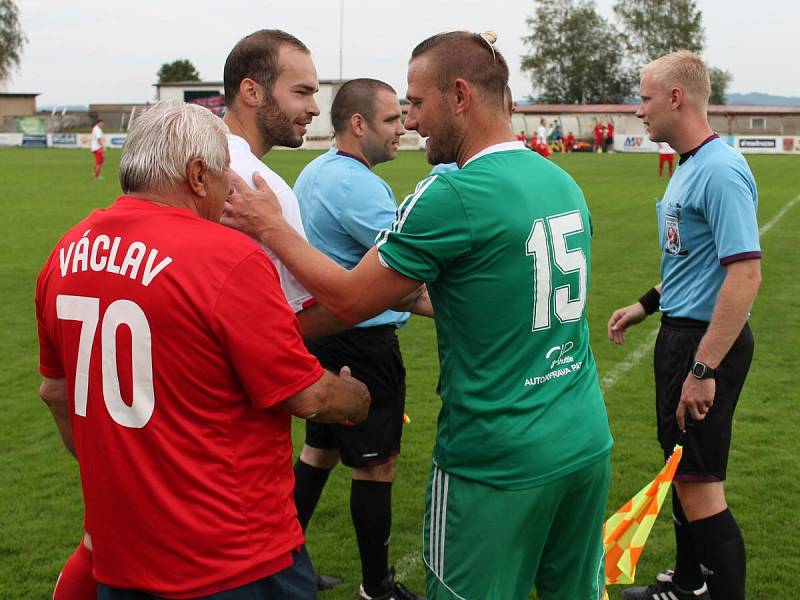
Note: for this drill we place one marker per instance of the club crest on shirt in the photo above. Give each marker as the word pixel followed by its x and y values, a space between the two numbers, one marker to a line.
pixel 673 230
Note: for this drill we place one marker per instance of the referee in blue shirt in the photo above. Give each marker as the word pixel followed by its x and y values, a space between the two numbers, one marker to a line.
pixel 710 274
pixel 344 205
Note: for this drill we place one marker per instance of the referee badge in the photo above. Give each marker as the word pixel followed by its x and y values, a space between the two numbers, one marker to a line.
pixel 673 230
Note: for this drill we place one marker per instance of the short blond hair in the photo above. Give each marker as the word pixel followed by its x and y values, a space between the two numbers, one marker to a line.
pixel 682 69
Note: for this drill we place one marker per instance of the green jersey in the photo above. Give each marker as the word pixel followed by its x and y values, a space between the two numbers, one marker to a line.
pixel 504 245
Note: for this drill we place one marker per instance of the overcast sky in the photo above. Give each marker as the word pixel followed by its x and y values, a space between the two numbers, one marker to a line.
pixel 82 52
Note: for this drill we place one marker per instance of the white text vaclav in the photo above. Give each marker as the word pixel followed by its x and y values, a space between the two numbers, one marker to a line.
pixel 103 253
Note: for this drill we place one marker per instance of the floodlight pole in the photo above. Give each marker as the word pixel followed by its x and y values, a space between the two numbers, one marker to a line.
pixel 341 35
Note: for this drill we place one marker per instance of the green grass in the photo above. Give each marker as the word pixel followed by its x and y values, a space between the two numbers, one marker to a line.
pixel 43 192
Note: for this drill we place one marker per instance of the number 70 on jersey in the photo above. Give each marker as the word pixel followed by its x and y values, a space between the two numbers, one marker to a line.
pixel 86 310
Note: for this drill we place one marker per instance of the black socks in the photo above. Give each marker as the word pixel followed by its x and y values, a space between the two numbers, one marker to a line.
pixel 371 509
pixel 688 575
pixel 716 543
pixel 308 485
pixel 720 547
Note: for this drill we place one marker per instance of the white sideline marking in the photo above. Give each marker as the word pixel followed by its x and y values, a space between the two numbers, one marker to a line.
pixel 631 359
pixel 634 357
pixel 779 216
pixel 407 564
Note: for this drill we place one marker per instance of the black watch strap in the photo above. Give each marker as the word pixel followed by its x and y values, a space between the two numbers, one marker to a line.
pixel 701 370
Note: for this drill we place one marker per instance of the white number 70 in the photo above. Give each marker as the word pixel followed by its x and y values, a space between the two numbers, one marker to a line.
pixel 121 312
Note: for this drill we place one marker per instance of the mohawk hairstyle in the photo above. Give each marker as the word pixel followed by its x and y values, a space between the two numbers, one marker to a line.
pixel 469 56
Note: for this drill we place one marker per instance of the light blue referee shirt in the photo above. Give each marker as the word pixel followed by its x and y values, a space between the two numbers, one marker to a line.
pixel 444 168
pixel 344 206
pixel 706 220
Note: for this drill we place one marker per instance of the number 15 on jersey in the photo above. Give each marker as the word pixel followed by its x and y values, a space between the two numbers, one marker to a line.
pixel 553 232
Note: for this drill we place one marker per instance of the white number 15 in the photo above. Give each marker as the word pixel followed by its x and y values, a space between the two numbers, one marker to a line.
pixel 567 261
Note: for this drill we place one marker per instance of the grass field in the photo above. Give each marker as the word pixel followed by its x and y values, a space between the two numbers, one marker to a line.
pixel 43 192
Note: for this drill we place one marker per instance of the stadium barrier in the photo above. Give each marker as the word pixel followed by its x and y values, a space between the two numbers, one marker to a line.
pixel 10 139
pixel 409 141
pixel 58 140
pixel 747 144
pixel 63 140
pixel 34 140
pixel 634 143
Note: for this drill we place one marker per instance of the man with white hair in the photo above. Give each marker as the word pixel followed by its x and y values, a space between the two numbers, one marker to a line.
pixel 172 365
pixel 710 275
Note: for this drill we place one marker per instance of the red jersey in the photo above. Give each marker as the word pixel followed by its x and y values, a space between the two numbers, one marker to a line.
pixel 544 150
pixel 599 131
pixel 177 345
pixel 610 131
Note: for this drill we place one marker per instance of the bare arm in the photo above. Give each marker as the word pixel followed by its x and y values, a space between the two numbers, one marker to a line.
pixel 331 399
pixel 417 302
pixel 423 305
pixel 625 317
pixel 54 394
pixel 734 302
pixel 317 321
pixel 352 296
pixel 735 299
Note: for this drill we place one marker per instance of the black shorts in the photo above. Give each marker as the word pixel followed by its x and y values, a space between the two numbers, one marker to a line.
pixel 373 355
pixel 707 442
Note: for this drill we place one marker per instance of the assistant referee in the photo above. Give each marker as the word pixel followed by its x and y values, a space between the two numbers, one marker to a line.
pixel 710 273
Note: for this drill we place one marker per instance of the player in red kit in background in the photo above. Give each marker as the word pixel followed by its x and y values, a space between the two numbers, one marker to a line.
pixel 569 144
pixel 666 154
pixel 599 136
pixel 609 138
pixel 98 146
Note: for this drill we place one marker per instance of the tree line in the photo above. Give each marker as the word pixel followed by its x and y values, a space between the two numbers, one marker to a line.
pixel 579 57
pixel 576 55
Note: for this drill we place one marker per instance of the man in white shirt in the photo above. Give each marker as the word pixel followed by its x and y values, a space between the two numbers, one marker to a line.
pixel 98 146
pixel 270 82
pixel 541 133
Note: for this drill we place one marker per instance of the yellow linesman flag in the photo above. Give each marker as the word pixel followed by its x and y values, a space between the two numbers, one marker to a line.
pixel 626 531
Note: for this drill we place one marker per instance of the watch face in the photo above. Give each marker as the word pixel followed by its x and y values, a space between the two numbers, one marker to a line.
pixel 698 370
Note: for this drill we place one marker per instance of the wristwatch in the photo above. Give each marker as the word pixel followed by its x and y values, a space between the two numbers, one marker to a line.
pixel 701 370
